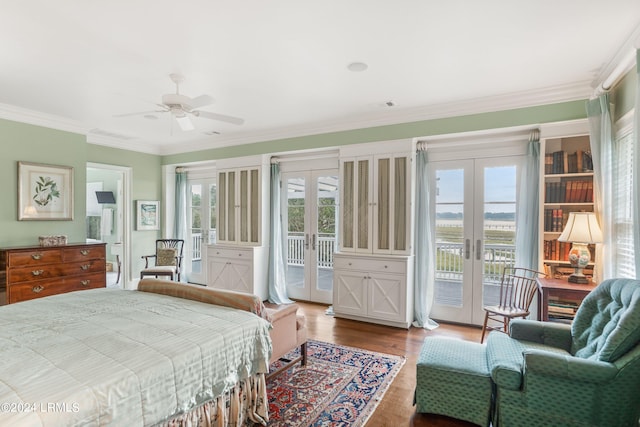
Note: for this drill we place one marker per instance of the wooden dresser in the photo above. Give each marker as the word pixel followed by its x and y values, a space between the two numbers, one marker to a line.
pixel 30 272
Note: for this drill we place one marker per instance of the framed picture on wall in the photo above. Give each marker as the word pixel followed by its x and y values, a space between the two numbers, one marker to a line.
pixel 45 192
pixel 148 214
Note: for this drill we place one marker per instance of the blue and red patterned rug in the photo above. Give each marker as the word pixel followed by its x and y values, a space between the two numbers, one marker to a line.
pixel 340 386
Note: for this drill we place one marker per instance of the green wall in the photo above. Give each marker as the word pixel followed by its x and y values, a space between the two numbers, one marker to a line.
pixel 494 120
pixel 23 142
pixel 624 95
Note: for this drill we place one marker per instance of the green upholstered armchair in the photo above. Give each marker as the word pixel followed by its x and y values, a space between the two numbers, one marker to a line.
pixel 586 374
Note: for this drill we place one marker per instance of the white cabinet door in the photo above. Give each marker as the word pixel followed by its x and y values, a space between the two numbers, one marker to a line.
pixel 216 272
pixel 240 277
pixel 387 296
pixel 238 206
pixel 350 292
pixel 376 204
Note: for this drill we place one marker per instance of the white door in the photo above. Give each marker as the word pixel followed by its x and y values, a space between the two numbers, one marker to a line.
pixel 475 223
pixel 201 217
pixel 309 212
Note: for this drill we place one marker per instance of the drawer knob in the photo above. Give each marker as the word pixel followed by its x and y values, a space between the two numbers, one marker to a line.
pixel 350 264
pixel 385 266
pixel 85 282
pixel 37 289
pixel 37 272
pixel 85 252
pixel 36 256
pixel 85 266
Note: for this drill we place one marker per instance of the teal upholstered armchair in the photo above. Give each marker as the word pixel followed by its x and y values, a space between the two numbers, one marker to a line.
pixel 586 374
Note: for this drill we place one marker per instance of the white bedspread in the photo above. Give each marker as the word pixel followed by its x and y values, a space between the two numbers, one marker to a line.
pixel 121 358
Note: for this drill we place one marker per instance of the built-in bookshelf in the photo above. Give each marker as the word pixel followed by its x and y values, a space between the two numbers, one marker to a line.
pixel 567 187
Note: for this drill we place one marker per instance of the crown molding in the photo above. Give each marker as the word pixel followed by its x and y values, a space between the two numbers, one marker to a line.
pixel 619 65
pixel 522 99
pixel 32 117
pixel 550 95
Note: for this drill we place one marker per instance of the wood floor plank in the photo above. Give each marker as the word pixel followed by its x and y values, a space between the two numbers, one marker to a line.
pixel 396 408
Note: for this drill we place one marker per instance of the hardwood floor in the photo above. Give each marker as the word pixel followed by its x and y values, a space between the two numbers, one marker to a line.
pixel 396 408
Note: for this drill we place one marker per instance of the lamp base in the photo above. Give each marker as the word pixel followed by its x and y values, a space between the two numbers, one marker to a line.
pixel 583 280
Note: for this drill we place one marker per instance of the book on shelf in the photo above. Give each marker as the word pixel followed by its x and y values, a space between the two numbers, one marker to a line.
pixel 574 191
pixel 560 162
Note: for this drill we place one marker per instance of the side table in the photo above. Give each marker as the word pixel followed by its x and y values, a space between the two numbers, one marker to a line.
pixel 561 289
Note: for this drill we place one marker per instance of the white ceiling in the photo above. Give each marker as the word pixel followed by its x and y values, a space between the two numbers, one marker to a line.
pixel 282 64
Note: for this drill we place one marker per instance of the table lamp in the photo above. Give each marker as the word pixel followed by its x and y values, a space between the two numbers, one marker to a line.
pixel 582 229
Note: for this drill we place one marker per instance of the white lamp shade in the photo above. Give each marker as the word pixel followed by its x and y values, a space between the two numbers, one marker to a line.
pixel 582 227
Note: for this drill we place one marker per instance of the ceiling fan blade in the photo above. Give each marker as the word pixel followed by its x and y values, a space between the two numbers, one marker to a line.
pixel 139 113
pixel 184 122
pixel 199 101
pixel 220 117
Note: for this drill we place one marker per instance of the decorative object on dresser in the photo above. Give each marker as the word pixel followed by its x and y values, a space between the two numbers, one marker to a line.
pixel 582 229
pixel 45 192
pixel 167 259
pixel 30 272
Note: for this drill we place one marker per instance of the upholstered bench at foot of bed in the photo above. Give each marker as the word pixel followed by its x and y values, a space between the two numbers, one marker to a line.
pixel 288 331
pixel 453 380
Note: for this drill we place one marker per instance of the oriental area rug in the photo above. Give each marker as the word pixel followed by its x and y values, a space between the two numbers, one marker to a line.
pixel 339 386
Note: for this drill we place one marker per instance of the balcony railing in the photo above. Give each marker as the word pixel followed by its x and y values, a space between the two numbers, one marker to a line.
pixel 450 256
pixel 326 245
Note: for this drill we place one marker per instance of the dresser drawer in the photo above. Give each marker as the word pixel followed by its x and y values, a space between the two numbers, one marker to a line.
pixel 90 281
pixel 35 272
pixel 27 291
pixel 83 267
pixel 35 257
pixel 83 253
pixel 233 253
pixel 379 265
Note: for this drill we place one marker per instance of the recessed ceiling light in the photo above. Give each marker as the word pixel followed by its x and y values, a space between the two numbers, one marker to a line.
pixel 357 67
pixel 150 117
pixel 389 104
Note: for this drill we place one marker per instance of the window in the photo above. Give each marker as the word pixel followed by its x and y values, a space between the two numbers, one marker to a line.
pixel 622 210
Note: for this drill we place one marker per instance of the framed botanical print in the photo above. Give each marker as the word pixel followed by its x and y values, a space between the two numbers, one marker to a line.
pixel 148 214
pixel 45 192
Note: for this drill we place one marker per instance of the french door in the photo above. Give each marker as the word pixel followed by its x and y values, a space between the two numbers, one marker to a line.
pixel 309 212
pixel 201 217
pixel 475 223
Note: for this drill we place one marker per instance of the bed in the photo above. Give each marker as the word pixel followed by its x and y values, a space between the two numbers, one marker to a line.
pixel 167 354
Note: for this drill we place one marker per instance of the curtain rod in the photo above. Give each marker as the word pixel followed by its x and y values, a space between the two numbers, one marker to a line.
pixel 310 156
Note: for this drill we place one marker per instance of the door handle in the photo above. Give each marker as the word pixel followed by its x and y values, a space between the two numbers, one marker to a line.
pixel 478 249
pixel 467 248
pixel 313 242
pixel 306 241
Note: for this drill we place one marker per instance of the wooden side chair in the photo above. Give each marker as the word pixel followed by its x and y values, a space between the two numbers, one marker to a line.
pixel 517 289
pixel 167 260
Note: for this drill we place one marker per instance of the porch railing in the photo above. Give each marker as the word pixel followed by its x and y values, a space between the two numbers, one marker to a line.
pixel 450 256
pixel 325 246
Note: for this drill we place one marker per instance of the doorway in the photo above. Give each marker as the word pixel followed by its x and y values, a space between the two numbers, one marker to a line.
pixel 475 227
pixel 107 220
pixel 201 217
pixel 309 213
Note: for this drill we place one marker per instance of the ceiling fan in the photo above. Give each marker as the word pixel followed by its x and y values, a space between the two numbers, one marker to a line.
pixel 182 107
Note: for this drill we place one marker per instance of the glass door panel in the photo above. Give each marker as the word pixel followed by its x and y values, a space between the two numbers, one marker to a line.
pixel 453 227
pixel 202 228
pixel 310 212
pixel 383 204
pixel 475 211
pixel 348 218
